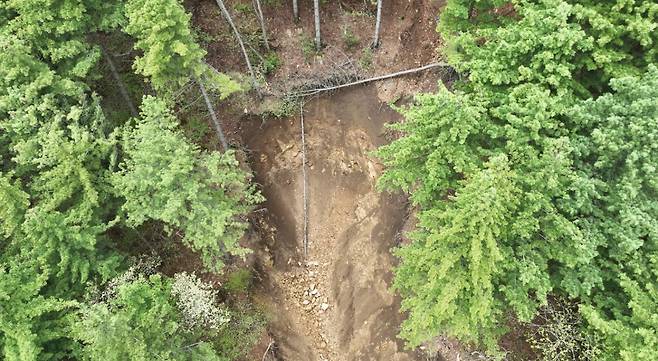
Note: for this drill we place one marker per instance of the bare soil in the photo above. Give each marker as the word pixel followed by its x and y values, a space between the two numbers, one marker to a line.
pixel 408 39
pixel 334 303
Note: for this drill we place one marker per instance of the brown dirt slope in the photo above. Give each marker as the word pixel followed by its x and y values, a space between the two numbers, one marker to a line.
pixel 334 304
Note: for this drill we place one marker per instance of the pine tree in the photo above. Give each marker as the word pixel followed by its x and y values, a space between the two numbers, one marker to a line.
pixel 162 29
pixel 166 178
pixel 584 218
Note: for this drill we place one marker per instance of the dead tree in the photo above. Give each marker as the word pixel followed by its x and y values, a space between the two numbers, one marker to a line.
pixel 375 42
pixel 295 10
pixel 213 116
pixel 261 18
pixel 120 84
pixel 226 14
pixel 316 6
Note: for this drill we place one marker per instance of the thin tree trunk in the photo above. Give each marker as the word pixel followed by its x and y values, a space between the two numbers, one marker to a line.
pixel 213 116
pixel 375 42
pixel 318 42
pixel 120 84
pixel 259 13
pixel 295 10
pixel 226 14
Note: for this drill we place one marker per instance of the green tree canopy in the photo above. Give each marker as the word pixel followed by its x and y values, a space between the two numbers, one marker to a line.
pixel 163 32
pixel 139 323
pixel 582 217
pixel 165 178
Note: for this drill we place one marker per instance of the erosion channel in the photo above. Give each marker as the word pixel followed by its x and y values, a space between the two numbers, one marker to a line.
pixel 334 303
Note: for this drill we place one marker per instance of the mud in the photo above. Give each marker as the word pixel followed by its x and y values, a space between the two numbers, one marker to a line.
pixel 335 303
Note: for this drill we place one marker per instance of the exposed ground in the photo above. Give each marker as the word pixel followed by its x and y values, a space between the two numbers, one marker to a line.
pixel 334 303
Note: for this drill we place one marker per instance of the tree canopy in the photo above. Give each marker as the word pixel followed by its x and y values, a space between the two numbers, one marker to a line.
pixel 73 184
pixel 536 175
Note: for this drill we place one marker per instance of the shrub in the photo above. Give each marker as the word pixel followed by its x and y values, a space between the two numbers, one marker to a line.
pixel 349 38
pixel 558 334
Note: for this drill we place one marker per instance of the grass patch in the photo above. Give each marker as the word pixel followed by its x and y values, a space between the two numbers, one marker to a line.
pixel 308 48
pixel 270 63
pixel 238 281
pixel 366 58
pixel 242 8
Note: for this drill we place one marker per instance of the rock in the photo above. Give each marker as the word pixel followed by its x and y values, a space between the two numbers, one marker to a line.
pixel 314 292
pixel 306 302
pixel 324 306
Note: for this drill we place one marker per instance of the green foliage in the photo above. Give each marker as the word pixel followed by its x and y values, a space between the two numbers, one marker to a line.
pixel 57 30
pixel 366 58
pixel 238 281
pixel 580 215
pixel 162 30
pixel 618 155
pixel 270 63
pixel 308 47
pixel 15 202
pixel 139 323
pixel 59 220
pixel 31 326
pixel 166 178
pixel 243 7
pixel 630 335
pixel 459 248
pixel 246 327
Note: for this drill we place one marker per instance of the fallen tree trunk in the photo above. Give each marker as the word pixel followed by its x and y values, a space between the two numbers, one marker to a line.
pixel 308 92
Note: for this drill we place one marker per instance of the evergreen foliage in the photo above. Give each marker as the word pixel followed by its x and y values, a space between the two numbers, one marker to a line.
pixel 140 323
pixel 162 30
pixel 166 178
pixel 565 92
pixel 61 214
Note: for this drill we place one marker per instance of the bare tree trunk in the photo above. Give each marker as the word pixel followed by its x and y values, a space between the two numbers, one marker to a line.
pixel 375 42
pixel 120 84
pixel 213 116
pixel 226 14
pixel 318 42
pixel 295 10
pixel 259 13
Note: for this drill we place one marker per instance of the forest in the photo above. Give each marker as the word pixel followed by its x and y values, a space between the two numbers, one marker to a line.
pixel 329 180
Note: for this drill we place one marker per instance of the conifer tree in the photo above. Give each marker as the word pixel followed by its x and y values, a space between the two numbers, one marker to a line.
pixel 584 218
pixel 166 178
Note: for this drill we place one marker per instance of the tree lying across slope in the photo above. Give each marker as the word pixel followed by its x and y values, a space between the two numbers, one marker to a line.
pixel 71 181
pixel 536 176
